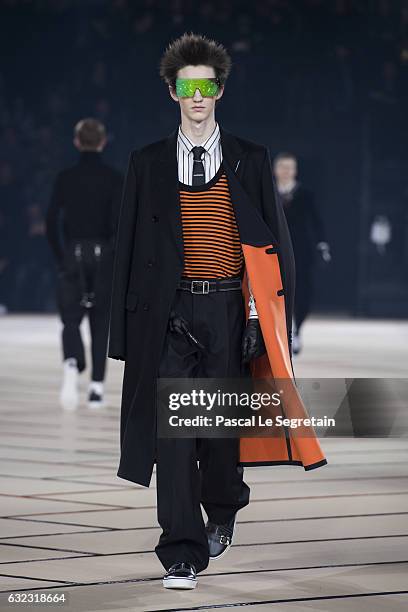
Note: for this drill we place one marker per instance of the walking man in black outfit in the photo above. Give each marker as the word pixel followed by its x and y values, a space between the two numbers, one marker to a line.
pixel 308 236
pixel 81 226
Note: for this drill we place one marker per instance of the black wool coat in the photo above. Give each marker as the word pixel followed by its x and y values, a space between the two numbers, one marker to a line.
pixel 305 224
pixel 149 264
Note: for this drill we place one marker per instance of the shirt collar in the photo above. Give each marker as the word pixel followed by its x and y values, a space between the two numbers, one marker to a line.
pixel 209 145
pixel 288 188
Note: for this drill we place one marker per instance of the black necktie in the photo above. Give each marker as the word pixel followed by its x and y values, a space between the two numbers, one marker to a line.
pixel 198 166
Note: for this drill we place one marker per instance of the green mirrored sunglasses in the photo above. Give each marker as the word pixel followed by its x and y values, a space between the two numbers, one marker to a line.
pixel 186 88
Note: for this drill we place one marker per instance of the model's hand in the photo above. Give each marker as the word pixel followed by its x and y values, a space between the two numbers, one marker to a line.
pixel 252 342
pixel 323 249
pixel 177 323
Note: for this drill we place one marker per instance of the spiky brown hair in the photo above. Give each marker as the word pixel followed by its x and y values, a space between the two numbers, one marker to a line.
pixel 194 50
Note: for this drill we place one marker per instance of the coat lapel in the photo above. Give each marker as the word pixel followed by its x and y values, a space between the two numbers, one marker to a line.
pixel 234 155
pixel 165 177
pixel 252 228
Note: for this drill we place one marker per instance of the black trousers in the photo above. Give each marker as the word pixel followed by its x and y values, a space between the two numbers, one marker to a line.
pixel 92 273
pixel 218 321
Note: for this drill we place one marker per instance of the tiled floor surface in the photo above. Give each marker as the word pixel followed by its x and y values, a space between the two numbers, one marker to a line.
pixel 334 539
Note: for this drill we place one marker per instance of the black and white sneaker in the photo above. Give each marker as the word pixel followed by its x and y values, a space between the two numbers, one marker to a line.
pixel 180 576
pixel 95 394
pixel 95 400
pixel 220 537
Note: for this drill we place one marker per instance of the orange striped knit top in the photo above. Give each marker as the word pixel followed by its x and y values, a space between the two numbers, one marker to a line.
pixel 212 247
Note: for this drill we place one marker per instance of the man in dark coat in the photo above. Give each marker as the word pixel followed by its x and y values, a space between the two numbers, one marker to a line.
pixel 307 233
pixel 81 227
pixel 202 246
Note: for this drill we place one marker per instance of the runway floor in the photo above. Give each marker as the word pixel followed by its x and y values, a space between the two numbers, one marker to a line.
pixel 334 539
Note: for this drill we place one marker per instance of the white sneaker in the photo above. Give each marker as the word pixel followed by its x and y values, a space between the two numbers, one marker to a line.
pixel 95 395
pixel 69 396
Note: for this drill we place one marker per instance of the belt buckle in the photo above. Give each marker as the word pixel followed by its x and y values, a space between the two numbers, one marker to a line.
pixel 205 287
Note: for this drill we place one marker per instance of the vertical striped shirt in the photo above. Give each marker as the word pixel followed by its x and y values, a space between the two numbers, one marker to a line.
pixel 211 160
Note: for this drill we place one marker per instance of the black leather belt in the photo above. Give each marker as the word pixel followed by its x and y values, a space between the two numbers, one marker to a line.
pixel 209 286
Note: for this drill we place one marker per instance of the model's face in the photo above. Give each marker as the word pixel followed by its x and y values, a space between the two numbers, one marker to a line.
pixel 285 170
pixel 197 108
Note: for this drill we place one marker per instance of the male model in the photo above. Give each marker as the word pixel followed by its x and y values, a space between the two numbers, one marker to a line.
pixel 85 205
pixel 307 233
pixel 203 287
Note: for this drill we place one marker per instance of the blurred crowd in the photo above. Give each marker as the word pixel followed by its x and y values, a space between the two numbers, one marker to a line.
pixel 309 63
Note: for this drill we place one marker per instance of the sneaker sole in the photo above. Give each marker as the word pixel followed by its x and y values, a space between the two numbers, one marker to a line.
pixel 221 554
pixel 69 404
pixel 179 583
pixel 96 405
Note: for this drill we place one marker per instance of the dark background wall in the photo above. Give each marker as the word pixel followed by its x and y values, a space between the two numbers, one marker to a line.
pixel 326 79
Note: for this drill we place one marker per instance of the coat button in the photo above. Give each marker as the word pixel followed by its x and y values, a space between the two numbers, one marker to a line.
pixel 146 306
pixel 155 218
pixel 151 263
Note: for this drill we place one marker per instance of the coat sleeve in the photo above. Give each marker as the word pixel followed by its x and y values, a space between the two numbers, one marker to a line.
pixel 315 220
pixel 123 256
pixel 53 218
pixel 116 200
pixel 275 218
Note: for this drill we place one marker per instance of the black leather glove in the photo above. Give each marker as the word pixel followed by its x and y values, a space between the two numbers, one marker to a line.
pixel 253 344
pixel 177 323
